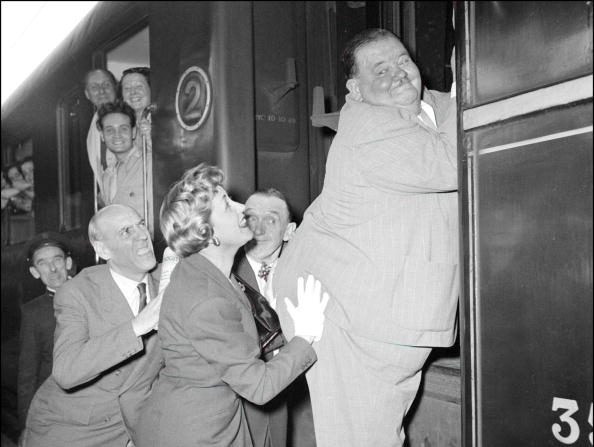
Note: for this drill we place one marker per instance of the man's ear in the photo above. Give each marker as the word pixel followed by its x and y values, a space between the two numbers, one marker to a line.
pixel 87 95
pixel 68 262
pixel 134 132
pixel 34 272
pixel 353 88
pixel 289 231
pixel 101 249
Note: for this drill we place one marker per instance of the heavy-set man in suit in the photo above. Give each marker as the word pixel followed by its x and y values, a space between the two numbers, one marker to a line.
pixel 49 261
pixel 269 217
pixel 106 353
pixel 382 237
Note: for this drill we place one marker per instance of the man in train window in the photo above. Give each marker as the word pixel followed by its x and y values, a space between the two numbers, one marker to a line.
pixel 125 181
pixel 382 237
pixel 49 261
pixel 100 88
pixel 269 217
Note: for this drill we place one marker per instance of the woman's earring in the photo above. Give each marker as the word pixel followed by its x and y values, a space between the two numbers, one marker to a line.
pixel 215 241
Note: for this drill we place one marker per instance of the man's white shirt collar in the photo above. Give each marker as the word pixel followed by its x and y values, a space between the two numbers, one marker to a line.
pixel 430 113
pixel 128 288
pixel 263 286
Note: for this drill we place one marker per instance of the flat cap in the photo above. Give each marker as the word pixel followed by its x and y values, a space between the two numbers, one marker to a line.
pixel 46 239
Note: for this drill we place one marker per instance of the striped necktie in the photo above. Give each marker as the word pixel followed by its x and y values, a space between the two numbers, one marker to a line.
pixel 141 296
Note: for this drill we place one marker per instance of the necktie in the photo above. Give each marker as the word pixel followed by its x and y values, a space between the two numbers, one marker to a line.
pixel 264 271
pixel 103 155
pixel 141 296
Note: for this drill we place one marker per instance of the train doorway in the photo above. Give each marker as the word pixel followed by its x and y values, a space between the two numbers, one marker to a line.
pixel 525 148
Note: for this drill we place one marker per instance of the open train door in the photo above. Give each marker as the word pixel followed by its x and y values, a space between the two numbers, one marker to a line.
pixel 525 139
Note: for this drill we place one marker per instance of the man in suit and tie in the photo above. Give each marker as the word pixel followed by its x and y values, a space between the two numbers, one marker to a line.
pixel 269 217
pixel 382 238
pixel 106 352
pixel 49 261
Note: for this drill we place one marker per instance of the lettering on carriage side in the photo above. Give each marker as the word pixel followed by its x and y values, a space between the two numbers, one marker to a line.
pixel 568 430
pixel 272 118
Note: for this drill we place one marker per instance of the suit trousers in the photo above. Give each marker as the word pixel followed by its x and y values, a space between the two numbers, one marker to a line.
pixel 361 389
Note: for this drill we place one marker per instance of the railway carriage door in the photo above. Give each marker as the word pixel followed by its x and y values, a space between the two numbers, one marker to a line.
pixel 526 189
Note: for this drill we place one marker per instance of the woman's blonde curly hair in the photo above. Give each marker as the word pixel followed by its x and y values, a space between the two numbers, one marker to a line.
pixel 185 211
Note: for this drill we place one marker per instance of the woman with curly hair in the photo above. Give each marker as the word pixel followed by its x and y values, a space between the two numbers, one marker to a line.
pixel 206 327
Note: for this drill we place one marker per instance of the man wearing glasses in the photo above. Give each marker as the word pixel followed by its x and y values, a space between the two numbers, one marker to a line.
pixel 106 353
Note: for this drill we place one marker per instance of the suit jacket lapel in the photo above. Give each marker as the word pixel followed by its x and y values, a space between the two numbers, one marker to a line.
pixel 112 300
pixel 244 271
pixel 218 276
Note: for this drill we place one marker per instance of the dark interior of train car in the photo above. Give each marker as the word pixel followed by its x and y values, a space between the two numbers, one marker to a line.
pixel 268 87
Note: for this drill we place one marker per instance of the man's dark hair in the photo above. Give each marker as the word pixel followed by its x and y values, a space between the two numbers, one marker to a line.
pixel 46 239
pixel 118 106
pixel 103 70
pixel 361 39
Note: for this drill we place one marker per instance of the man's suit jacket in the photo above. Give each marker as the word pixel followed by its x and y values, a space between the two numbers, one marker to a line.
pixel 288 416
pixel 102 372
pixel 382 237
pixel 268 422
pixel 212 362
pixel 36 349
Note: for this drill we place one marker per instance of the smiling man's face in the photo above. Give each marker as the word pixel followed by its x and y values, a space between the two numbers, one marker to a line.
pixel 386 75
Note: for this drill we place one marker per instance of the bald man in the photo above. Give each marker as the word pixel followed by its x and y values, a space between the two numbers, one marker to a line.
pixel 106 352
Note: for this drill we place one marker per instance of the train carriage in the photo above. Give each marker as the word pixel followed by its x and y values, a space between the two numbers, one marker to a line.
pixel 255 88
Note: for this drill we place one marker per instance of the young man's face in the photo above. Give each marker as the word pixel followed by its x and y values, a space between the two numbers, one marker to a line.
pixel 99 89
pixel 386 75
pixel 51 265
pixel 118 134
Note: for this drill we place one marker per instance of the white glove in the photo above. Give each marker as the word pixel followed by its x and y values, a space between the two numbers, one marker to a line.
pixel 308 316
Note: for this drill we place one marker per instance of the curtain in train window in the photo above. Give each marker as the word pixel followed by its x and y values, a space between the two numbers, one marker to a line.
pixel 18 193
pixel 74 173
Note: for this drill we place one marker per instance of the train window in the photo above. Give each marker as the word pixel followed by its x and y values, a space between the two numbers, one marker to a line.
pixel 129 61
pixel 75 177
pixel 18 193
pixel 133 52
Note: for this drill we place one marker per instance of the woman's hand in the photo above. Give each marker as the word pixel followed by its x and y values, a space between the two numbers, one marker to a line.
pixel 144 127
pixel 308 316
